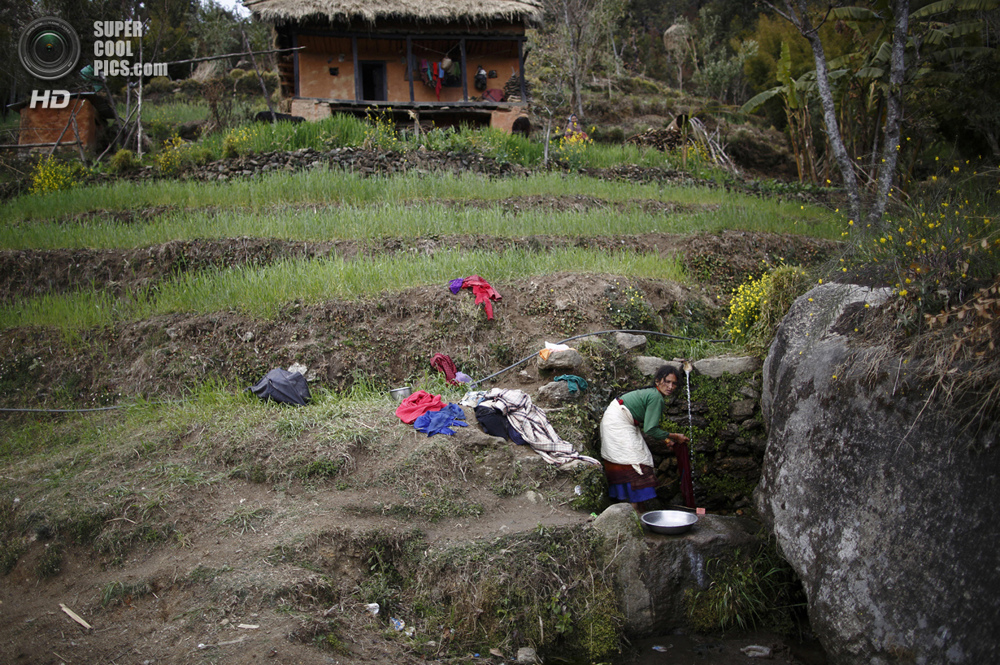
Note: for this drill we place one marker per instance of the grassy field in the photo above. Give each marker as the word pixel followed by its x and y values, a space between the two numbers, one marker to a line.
pixel 167 473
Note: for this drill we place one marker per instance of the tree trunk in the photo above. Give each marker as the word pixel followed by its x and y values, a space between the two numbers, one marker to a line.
pixel 894 111
pixel 830 112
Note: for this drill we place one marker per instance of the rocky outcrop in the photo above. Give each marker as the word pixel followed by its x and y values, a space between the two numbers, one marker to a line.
pixel 654 570
pixel 885 512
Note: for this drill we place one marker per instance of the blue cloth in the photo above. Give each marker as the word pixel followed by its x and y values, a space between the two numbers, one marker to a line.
pixel 455 285
pixel 441 422
pixel 624 492
pixel 575 382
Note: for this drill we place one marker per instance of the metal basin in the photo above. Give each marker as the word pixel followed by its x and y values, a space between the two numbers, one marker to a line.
pixel 399 394
pixel 668 521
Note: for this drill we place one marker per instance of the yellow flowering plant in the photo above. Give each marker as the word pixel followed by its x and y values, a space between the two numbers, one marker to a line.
pixel 51 175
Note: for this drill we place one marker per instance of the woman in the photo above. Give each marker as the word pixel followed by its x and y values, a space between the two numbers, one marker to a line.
pixel 628 463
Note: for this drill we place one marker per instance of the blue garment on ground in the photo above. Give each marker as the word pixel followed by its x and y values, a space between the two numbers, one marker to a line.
pixel 575 382
pixel 441 422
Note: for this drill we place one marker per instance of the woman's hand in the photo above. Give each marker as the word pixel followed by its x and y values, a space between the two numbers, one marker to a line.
pixel 676 438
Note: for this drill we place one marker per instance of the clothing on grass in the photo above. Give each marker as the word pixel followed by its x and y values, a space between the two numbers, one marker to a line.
pixel 443 363
pixel 473 398
pixel 534 427
pixel 441 421
pixel 574 382
pixel 496 424
pixel 485 294
pixel 417 405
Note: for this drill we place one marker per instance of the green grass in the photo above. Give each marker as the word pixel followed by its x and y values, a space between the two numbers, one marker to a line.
pixel 319 205
pixel 262 291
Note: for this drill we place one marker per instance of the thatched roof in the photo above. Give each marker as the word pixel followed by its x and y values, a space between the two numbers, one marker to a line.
pixel 476 11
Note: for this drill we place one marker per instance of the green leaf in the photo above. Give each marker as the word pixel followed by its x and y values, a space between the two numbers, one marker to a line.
pixel 759 99
pixel 854 14
pixel 933 8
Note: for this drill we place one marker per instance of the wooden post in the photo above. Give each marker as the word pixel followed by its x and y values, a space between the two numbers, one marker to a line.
pixel 409 66
pixel 520 63
pixel 357 78
pixel 465 81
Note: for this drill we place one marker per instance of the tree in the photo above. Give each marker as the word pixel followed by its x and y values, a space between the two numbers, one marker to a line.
pixel 902 51
pixel 584 29
pixel 797 13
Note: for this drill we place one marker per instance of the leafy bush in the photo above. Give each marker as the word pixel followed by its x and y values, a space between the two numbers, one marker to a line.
pixel 51 175
pixel 628 309
pixel 759 304
pixel 747 591
pixel 124 161
pixel 158 85
pixel 170 159
pixel 380 134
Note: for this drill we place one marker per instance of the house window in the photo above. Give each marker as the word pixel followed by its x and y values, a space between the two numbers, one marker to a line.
pixel 373 81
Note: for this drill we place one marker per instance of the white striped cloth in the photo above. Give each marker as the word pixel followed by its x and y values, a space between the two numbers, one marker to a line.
pixel 534 427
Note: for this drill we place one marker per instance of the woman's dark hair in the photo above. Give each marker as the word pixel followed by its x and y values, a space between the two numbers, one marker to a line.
pixel 664 372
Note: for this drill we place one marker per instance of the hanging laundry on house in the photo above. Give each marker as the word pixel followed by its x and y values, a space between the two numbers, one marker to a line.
pixel 417 405
pixel 484 293
pixel 441 421
pixel 534 427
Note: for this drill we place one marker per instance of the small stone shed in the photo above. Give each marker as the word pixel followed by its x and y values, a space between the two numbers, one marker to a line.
pixel 83 117
pixel 410 59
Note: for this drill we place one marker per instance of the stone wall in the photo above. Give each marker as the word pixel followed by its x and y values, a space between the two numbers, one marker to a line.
pixel 725 425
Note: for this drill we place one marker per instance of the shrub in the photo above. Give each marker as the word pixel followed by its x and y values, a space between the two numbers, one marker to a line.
pixel 124 161
pixel 381 131
pixel 237 142
pixel 628 309
pixel 759 304
pixel 190 87
pixel 51 175
pixel 158 85
pixel 170 159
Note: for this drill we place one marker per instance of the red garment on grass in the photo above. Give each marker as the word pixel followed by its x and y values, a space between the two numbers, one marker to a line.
pixel 417 405
pixel 684 466
pixel 443 363
pixel 483 291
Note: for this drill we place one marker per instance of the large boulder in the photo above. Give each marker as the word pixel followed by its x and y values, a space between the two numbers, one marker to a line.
pixel 655 570
pixel 884 509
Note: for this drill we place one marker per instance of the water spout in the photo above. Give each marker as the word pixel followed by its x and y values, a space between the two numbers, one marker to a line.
pixel 687 375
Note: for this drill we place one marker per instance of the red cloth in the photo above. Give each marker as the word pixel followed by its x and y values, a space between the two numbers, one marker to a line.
pixel 684 466
pixel 443 363
pixel 483 291
pixel 417 405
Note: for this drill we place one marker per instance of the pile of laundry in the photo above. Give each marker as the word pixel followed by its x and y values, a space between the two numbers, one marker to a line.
pixel 485 294
pixel 427 413
pixel 511 415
